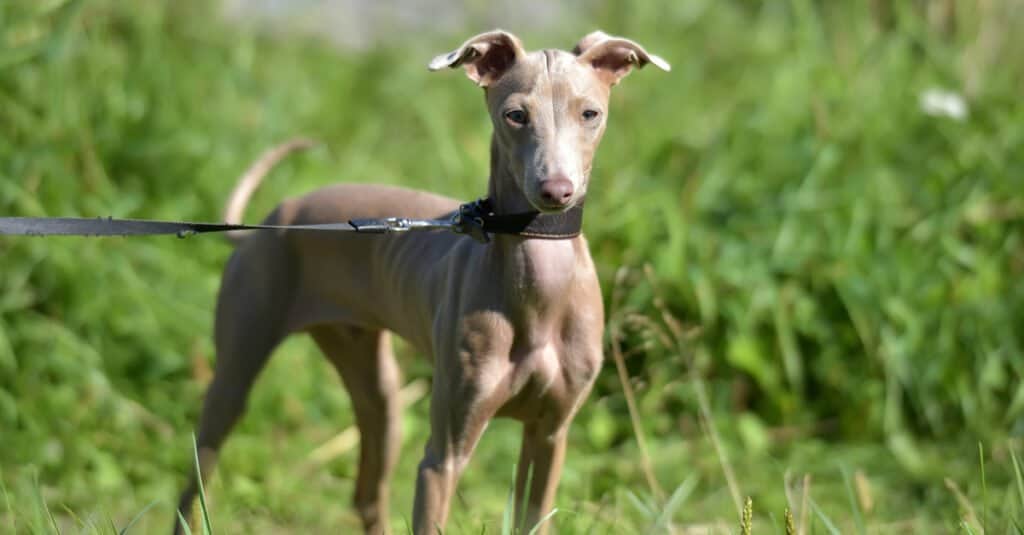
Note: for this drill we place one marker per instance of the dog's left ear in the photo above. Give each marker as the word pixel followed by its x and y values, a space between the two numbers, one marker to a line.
pixel 614 57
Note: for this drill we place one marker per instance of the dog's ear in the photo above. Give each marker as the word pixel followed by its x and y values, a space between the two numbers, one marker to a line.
pixel 614 57
pixel 486 57
pixel 589 40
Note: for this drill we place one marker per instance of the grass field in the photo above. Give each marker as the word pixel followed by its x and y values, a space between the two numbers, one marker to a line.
pixel 815 282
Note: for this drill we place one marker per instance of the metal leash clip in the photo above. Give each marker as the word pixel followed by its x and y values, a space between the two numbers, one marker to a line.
pixel 390 225
pixel 469 220
pixel 397 224
pixel 378 226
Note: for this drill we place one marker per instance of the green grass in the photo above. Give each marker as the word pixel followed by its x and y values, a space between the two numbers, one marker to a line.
pixel 806 274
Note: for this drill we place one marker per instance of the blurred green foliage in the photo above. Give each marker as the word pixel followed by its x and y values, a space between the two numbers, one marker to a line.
pixel 843 265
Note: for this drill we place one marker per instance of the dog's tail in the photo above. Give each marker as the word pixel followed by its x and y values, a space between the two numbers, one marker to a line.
pixel 250 180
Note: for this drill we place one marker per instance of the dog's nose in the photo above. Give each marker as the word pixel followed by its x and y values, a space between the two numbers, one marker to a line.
pixel 556 190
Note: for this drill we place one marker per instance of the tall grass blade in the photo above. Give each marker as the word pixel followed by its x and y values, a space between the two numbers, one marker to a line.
pixel 970 517
pixel 136 518
pixel 77 519
pixel 643 508
pixel 824 518
pixel 545 518
pixel 507 516
pixel 521 524
pixel 42 503
pixel 634 416
pixel 9 511
pixel 207 527
pixel 1018 478
pixel 184 524
pixel 851 495
pixel 707 419
pixel 984 488
pixel 675 500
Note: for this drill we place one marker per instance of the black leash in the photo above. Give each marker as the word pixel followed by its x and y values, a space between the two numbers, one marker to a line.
pixel 80 226
pixel 475 219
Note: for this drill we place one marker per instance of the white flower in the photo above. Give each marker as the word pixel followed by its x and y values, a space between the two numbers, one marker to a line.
pixel 942 103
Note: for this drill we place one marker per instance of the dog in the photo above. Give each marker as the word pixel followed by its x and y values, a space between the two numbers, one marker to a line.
pixel 513 325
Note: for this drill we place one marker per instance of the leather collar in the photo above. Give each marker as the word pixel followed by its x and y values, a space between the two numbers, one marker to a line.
pixel 478 219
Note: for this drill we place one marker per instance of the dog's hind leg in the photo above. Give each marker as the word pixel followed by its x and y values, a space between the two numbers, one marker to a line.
pixel 368 368
pixel 251 321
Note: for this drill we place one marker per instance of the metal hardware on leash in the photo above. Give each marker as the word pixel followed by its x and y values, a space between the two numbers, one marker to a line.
pixel 389 225
pixel 469 220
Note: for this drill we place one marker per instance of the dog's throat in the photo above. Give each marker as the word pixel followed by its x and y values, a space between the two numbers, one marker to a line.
pixel 531 224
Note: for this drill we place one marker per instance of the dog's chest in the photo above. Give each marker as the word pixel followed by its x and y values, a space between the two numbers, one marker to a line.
pixel 532 343
pixel 549 376
pixel 534 383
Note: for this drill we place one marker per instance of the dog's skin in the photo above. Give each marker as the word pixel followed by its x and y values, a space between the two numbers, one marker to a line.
pixel 513 327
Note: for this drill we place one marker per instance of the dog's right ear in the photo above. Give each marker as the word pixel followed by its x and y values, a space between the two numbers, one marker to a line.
pixel 486 57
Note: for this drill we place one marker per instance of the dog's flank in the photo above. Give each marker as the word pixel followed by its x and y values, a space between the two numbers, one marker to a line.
pixel 513 327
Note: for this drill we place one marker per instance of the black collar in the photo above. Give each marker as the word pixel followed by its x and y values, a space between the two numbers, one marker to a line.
pixel 478 219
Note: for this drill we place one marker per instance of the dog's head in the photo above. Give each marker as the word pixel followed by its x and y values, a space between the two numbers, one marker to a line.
pixel 549 107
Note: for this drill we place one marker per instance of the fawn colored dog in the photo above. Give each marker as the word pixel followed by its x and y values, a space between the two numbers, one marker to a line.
pixel 513 326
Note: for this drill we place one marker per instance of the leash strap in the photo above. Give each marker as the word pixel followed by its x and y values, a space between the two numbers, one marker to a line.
pixel 76 226
pixel 475 219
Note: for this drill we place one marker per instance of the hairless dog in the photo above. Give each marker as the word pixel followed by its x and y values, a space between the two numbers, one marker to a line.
pixel 513 326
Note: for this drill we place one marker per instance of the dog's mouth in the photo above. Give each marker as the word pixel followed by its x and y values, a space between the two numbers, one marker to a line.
pixel 553 208
pixel 548 206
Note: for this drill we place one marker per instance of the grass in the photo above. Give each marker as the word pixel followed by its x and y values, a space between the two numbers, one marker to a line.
pixel 813 285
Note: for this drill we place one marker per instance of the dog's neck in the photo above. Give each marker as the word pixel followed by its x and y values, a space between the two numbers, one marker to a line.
pixel 540 272
pixel 502 190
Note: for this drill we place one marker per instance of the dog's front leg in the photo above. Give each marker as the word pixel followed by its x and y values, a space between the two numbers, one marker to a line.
pixel 545 436
pixel 459 411
pixel 540 463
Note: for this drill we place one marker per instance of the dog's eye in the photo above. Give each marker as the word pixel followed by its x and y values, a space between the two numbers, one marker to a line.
pixel 516 116
pixel 590 115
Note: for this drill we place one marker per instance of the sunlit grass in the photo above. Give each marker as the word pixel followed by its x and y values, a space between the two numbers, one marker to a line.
pixel 816 282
